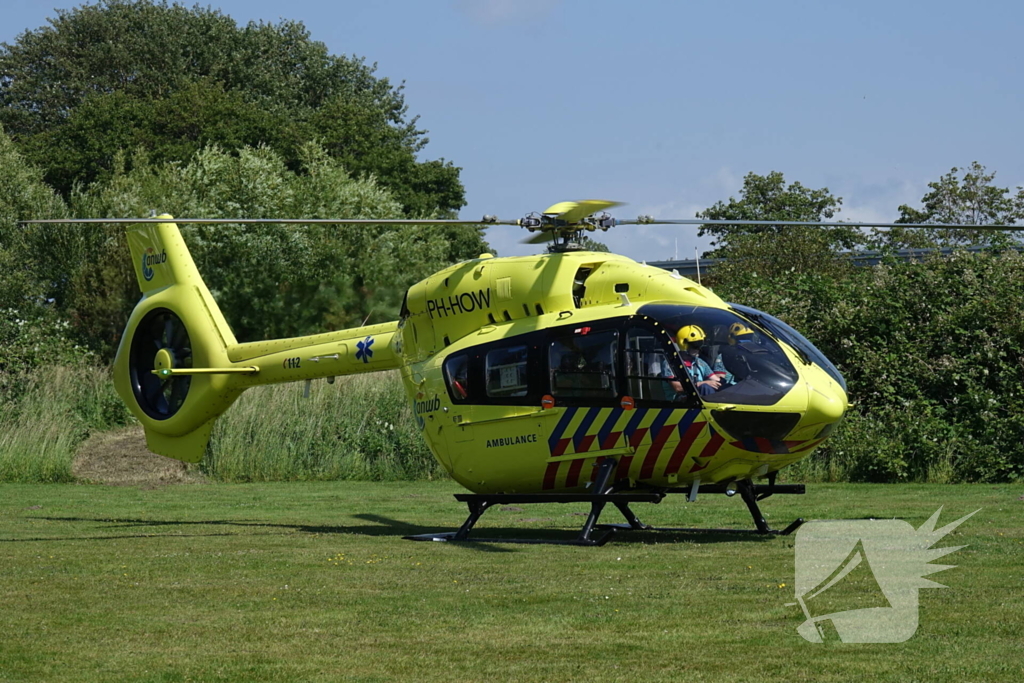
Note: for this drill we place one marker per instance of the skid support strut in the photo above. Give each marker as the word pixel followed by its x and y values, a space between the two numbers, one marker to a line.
pixel 602 492
pixel 600 487
pixel 476 508
pixel 750 497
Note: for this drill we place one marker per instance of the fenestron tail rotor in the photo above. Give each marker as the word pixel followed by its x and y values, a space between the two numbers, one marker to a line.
pixel 159 342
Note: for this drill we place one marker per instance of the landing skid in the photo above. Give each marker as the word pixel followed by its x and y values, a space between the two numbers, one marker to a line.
pixel 594 534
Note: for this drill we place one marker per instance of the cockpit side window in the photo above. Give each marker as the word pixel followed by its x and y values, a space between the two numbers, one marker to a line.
pixel 456 375
pixel 652 367
pixel 583 365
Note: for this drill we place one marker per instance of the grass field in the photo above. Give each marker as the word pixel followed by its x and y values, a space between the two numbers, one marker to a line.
pixel 312 581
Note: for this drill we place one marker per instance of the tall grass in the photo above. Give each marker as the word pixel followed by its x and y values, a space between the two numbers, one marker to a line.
pixel 359 428
pixel 58 407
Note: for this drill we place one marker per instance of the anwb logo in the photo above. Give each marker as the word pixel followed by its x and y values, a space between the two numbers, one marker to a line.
pixel 858 579
pixel 150 259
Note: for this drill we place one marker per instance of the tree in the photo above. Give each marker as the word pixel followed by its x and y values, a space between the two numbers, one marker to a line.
pixel 82 148
pixel 127 74
pixel 969 200
pixel 269 280
pixel 768 198
pixel 774 250
pixel 23 196
pixel 31 332
pixel 590 244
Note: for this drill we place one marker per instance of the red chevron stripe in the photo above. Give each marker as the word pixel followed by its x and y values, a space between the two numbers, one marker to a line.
pixel 612 439
pixel 550 474
pixel 560 447
pixel 585 443
pixel 638 436
pixel 679 454
pixel 655 450
pixel 624 465
pixel 573 477
pixel 712 447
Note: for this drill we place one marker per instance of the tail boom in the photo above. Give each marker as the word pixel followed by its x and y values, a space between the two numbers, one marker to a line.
pixel 179 366
pixel 345 352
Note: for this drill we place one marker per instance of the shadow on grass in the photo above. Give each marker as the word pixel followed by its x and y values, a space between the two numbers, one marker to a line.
pixel 388 527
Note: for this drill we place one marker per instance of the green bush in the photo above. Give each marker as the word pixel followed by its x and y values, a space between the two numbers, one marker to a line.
pixel 359 428
pixel 933 353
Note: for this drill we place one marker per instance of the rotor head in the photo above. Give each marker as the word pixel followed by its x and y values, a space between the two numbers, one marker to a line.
pixel 563 224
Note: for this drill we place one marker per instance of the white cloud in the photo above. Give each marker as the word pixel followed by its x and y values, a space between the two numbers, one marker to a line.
pixel 879 202
pixel 871 213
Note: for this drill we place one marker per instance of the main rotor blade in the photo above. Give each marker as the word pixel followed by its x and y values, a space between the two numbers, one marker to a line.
pixel 285 221
pixel 642 220
pixel 647 220
pixel 572 212
pixel 538 237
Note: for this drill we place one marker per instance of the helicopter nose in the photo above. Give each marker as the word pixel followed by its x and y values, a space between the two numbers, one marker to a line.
pixel 826 403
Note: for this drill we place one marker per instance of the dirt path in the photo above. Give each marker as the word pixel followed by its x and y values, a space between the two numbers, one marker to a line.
pixel 120 458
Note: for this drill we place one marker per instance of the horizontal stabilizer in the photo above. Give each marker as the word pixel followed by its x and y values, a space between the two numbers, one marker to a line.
pixel 187 448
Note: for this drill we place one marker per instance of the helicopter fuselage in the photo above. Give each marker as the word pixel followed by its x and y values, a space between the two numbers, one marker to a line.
pixel 525 372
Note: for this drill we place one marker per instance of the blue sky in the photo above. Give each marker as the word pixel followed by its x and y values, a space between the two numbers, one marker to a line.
pixel 667 105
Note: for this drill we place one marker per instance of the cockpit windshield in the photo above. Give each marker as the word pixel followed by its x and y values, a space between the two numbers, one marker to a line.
pixel 794 339
pixel 728 358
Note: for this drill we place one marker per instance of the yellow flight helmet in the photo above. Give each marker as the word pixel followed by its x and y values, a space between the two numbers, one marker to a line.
pixel 738 330
pixel 690 334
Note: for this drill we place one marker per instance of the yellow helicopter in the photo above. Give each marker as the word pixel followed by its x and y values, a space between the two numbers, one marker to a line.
pixel 572 376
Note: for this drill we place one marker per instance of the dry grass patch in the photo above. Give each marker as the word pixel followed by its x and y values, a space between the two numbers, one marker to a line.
pixel 120 458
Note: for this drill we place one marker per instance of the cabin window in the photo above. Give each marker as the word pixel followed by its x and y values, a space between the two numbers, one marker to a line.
pixel 506 371
pixel 583 365
pixel 653 373
pixel 456 374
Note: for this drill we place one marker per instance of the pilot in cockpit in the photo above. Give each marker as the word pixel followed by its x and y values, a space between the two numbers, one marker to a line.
pixel 691 339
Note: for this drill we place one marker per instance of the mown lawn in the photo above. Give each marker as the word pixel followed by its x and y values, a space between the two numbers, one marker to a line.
pixel 288 582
